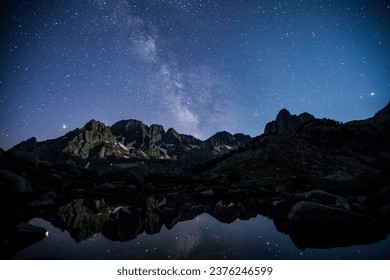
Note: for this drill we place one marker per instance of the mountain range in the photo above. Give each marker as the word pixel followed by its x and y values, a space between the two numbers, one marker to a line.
pixel 130 141
pixel 301 144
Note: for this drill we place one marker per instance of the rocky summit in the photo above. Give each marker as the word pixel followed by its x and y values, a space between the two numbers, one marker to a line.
pixel 285 122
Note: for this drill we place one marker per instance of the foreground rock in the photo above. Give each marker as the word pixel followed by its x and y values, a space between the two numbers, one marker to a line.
pixel 316 225
pixel 19 237
pixel 15 183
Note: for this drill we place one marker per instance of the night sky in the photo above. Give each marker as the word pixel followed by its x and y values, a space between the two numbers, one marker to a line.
pixel 198 66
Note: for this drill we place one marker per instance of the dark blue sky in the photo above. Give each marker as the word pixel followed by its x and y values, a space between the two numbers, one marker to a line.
pixel 197 66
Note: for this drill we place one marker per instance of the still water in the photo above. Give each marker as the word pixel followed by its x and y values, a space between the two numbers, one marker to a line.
pixel 203 237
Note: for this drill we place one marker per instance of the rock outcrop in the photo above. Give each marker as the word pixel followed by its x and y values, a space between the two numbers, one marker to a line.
pixel 285 122
pixel 14 183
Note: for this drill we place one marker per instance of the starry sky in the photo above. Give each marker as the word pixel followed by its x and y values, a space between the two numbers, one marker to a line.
pixel 200 66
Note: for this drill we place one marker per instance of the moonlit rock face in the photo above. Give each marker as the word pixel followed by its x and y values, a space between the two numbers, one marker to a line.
pixel 198 66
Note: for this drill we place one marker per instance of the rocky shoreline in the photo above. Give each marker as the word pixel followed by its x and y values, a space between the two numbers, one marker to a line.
pixel 83 203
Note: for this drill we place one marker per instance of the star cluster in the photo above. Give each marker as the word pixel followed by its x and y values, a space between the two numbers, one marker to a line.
pixel 198 66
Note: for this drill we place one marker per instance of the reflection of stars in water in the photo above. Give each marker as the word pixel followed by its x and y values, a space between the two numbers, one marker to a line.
pixel 238 240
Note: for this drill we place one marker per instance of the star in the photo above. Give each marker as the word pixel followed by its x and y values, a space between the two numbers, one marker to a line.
pixel 174 63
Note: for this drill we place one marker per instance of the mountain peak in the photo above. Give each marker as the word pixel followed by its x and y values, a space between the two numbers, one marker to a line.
pixel 94 125
pixel 283 113
pixel 172 132
pixel 227 140
pixel 286 122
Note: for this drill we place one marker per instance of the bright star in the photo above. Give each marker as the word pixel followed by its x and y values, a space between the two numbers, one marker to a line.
pixel 372 94
pixel 64 126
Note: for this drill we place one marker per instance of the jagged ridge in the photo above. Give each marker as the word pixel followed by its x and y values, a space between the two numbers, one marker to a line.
pixel 129 140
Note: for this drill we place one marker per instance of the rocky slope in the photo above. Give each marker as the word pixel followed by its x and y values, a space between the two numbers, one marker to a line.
pixel 317 149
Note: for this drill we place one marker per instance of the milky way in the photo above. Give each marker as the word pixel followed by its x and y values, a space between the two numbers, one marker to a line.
pixel 198 66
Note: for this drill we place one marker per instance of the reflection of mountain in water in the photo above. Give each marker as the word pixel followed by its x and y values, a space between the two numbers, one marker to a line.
pixel 82 218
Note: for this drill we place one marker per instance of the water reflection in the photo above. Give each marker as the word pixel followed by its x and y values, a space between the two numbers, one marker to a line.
pixel 82 218
pixel 179 226
pixel 204 237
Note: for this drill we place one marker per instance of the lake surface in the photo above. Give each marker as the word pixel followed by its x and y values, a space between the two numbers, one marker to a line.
pixel 202 237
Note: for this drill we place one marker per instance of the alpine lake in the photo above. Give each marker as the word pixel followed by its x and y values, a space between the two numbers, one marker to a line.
pixel 174 226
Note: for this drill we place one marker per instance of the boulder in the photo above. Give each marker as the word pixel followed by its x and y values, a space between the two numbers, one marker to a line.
pixel 340 177
pixel 281 190
pixel 343 204
pixel 203 191
pixel 27 235
pixel 313 225
pixel 358 207
pixel 44 201
pixel 322 196
pixel 312 214
pixel 15 183
pixel 22 157
pixel 38 203
pixel 207 193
